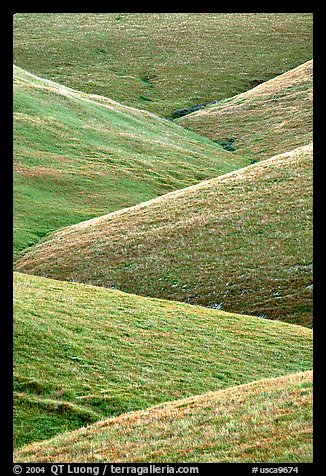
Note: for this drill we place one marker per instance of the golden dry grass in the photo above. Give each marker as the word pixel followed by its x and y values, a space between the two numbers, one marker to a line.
pixel 241 242
pixel 264 421
pixel 272 118
pixel 85 353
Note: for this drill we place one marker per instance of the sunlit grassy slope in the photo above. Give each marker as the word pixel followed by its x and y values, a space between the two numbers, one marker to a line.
pixel 241 242
pixel 162 61
pixel 83 353
pixel 272 118
pixel 78 156
pixel 265 421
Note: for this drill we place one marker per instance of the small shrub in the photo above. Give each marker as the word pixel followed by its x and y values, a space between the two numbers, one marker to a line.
pixel 226 144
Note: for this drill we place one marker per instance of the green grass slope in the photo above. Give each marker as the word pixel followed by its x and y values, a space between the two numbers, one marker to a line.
pixel 162 61
pixel 272 118
pixel 83 353
pixel 241 242
pixel 77 156
pixel 265 421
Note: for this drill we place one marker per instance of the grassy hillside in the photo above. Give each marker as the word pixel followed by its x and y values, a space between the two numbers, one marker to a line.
pixel 272 118
pixel 163 61
pixel 269 420
pixel 241 242
pixel 83 353
pixel 78 156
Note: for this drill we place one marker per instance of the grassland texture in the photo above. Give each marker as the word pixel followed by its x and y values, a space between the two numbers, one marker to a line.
pixel 272 118
pixel 162 61
pixel 241 242
pixel 83 354
pixel 77 156
pixel 265 421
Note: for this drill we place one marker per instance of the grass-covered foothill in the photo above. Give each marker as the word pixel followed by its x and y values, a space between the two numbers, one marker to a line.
pixel 162 238
pixel 272 118
pixel 162 61
pixel 265 421
pixel 77 156
pixel 83 353
pixel 241 242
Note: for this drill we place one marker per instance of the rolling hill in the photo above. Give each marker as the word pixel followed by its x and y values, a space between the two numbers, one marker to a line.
pixel 264 421
pixel 77 156
pixel 271 118
pixel 241 242
pixel 163 257
pixel 83 353
pixel 162 61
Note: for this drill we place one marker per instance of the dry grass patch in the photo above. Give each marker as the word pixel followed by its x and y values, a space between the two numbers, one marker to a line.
pixel 241 242
pixel 272 118
pixel 265 421
pixel 83 353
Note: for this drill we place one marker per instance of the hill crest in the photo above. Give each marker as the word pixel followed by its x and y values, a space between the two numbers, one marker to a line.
pixel 200 244
pixel 216 422
pixel 274 117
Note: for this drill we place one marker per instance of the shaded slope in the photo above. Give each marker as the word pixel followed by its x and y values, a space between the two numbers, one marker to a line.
pixel 269 420
pixel 241 242
pixel 78 156
pixel 163 61
pixel 83 353
pixel 272 118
